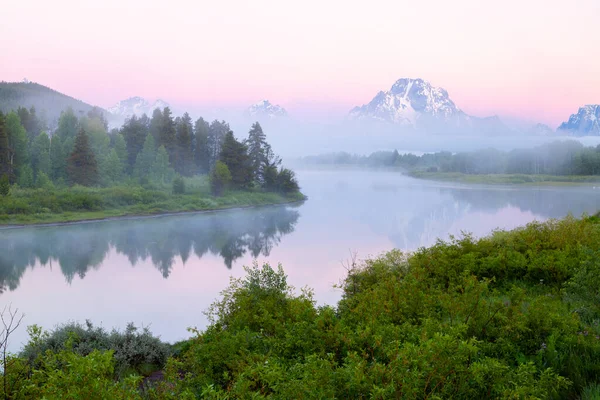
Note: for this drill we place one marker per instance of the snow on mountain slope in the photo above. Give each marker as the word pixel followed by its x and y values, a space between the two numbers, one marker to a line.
pixel 585 123
pixel 416 104
pixel 136 105
pixel 264 109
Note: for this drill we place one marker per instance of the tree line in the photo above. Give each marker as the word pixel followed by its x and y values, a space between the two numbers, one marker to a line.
pixel 556 158
pixel 157 149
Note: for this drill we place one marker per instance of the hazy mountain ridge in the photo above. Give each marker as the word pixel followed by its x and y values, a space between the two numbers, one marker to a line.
pixel 136 105
pixel 265 109
pixel 48 102
pixel 586 122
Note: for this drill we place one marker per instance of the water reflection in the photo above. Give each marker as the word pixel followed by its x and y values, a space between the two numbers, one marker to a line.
pixel 79 248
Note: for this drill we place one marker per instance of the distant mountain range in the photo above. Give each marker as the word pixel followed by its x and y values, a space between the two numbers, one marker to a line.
pixel 136 105
pixel 417 105
pixel 48 102
pixel 410 103
pixel 264 109
pixel 585 123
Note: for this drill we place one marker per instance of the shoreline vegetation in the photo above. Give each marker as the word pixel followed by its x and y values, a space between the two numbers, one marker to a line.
pixel 506 179
pixel 150 166
pixel 559 162
pixel 510 315
pixel 26 207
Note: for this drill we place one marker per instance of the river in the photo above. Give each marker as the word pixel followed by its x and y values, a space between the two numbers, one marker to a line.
pixel 164 272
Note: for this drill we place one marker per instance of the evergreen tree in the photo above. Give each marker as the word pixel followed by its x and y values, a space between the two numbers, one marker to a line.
pixel 257 144
pixel 201 154
pixel 286 181
pixel 235 155
pixel 4 149
pixel 184 160
pixel 155 125
pixel 269 169
pixel 30 122
pixel 82 167
pixel 145 159
pixel 17 144
pixel 134 131
pixel 168 137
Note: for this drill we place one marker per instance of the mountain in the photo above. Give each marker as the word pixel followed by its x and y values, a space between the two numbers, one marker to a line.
pixel 585 123
pixel 48 102
pixel 136 105
pixel 416 104
pixel 264 109
pixel 541 130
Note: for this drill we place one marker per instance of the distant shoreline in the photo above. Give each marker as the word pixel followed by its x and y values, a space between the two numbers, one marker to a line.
pixel 136 216
pixel 507 179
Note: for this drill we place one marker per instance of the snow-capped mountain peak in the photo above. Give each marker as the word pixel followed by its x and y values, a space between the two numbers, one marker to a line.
pixel 585 123
pixel 407 101
pixel 136 105
pixel 264 109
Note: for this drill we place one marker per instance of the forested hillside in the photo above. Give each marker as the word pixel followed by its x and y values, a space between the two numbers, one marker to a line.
pixel 47 102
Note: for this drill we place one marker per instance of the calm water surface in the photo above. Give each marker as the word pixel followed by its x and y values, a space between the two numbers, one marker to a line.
pixel 164 272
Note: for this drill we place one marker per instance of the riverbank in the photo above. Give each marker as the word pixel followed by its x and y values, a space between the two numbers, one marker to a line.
pixel 506 179
pixel 75 205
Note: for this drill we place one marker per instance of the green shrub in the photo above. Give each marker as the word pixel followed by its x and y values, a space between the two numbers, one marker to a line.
pixel 178 185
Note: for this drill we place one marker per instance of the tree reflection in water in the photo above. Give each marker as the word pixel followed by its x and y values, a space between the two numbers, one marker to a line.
pixel 78 248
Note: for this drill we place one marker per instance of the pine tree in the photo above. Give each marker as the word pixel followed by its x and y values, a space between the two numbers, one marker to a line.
pixel 120 147
pixel 155 125
pixel 168 135
pixel 256 151
pixel 201 154
pixel 184 158
pixel 134 131
pixel 235 155
pixel 82 167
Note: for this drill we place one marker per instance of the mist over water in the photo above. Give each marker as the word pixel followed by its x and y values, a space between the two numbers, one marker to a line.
pixel 166 271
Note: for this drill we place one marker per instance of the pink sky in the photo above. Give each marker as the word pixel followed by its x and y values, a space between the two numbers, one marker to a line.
pixel 533 59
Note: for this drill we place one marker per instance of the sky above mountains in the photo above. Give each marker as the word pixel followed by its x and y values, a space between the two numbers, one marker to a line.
pixel 535 59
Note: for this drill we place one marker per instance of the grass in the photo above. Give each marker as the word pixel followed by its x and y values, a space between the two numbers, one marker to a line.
pixel 46 206
pixel 506 179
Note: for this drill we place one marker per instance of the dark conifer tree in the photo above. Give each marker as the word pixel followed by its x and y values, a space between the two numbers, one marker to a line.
pixel 82 167
pixel 184 153
pixel 201 154
pixel 235 155
pixel 257 143
pixel 168 135
pixel 134 132
pixel 155 125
